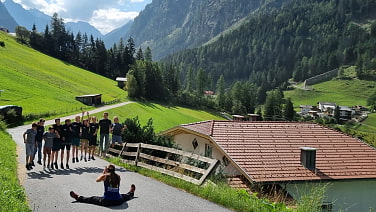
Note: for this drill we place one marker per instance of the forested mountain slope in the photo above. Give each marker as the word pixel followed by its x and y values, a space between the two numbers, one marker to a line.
pixel 168 26
pixel 300 39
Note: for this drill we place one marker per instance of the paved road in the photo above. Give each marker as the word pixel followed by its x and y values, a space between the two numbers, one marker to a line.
pixel 48 190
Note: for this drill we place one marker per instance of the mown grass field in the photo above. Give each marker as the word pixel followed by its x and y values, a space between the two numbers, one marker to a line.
pixel 12 195
pixel 343 92
pixel 164 117
pixel 42 84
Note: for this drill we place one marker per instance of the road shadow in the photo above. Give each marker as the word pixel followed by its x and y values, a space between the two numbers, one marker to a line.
pixel 118 207
pixel 49 173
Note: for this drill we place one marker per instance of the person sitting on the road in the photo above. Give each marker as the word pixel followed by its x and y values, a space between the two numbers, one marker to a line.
pixel 111 195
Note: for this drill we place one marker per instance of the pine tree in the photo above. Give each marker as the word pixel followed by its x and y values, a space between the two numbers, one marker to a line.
pixel 289 112
pixel 221 98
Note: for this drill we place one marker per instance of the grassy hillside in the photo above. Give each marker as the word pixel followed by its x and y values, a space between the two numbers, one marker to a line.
pixel 347 92
pixel 40 83
pixel 163 117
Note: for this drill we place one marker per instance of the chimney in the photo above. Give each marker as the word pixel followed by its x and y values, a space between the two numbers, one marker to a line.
pixel 308 157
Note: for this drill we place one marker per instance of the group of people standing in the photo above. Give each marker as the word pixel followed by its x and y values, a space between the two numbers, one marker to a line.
pixel 80 134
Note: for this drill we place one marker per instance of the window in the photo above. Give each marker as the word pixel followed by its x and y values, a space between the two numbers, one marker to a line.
pixel 208 150
pixel 225 160
pixel 195 143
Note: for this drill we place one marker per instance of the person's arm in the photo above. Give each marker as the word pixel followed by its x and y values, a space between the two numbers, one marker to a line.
pixel 24 137
pixel 102 177
pixel 57 134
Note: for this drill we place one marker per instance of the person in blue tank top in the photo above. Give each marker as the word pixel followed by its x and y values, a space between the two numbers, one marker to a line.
pixel 112 196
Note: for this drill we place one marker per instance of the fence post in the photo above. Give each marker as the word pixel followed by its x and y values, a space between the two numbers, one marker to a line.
pixel 138 154
pixel 122 150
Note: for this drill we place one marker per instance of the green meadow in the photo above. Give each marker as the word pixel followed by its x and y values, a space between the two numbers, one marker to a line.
pixel 164 117
pixel 42 84
pixel 343 92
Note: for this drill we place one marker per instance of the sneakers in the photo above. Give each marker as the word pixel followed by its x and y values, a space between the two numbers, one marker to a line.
pixel 56 165
pixel 67 166
pixel 81 157
pixel 92 157
pixel 73 195
pixel 89 158
pixel 61 166
pixel 73 160
pixel 85 159
pixel 77 159
pixel 27 167
pixel 32 163
pixel 39 162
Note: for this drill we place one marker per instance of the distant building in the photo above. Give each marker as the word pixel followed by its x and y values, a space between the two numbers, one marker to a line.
pixel 253 117
pixel 346 113
pixel 238 118
pixel 304 109
pixel 209 93
pixel 327 107
pixel 91 99
pixel 4 29
pixel 122 81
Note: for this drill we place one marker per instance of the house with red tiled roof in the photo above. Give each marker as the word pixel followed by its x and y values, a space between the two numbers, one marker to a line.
pixel 293 155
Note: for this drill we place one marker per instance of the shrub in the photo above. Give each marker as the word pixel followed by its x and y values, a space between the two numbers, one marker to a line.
pixel 2 43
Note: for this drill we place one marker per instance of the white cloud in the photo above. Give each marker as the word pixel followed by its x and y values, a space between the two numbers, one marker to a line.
pixel 105 15
pixel 106 20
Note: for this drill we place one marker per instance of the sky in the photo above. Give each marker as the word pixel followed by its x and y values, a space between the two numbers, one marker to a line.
pixel 105 15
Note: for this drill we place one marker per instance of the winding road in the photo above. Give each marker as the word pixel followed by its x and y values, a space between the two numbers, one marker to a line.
pixel 48 190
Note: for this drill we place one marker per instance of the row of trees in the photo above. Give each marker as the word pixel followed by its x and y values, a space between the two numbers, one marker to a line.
pixel 81 50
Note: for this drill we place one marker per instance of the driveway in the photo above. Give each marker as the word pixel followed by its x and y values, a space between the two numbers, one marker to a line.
pixel 48 190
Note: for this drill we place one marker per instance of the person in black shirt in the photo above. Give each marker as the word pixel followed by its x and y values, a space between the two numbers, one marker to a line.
pixel 38 140
pixel 104 134
pixel 85 127
pixel 94 126
pixel 56 143
pixel 66 140
pixel 75 139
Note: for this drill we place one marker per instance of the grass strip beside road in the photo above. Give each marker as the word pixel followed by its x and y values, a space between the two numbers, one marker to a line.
pixel 12 194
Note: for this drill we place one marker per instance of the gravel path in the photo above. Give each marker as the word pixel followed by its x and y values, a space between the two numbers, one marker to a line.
pixel 48 190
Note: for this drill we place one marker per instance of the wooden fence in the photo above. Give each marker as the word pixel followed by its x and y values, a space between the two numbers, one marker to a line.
pixel 177 163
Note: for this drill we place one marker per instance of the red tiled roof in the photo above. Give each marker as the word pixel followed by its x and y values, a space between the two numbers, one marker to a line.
pixel 270 151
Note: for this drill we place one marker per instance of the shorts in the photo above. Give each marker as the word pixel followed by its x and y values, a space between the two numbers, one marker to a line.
pixel 93 141
pixel 30 148
pixel 56 145
pixel 84 142
pixel 47 150
pixel 117 138
pixel 65 146
pixel 75 141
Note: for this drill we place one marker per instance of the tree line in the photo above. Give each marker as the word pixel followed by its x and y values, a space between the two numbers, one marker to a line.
pixel 81 49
